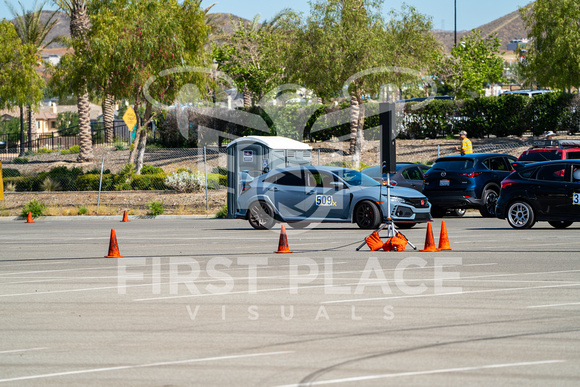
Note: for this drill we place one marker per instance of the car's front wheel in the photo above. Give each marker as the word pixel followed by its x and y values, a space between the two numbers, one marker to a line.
pixel 560 223
pixel 261 216
pixel 521 215
pixel 490 196
pixel 367 215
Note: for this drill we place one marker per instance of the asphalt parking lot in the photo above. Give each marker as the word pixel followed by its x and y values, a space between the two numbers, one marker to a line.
pixel 207 302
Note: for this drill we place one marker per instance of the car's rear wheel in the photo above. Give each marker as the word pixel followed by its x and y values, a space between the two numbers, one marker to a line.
pixel 458 211
pixel 405 225
pixel 487 210
pixel 521 215
pixel 261 216
pixel 560 223
pixel 367 215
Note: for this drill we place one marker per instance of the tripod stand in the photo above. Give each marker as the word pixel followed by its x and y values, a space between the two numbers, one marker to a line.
pixel 389 224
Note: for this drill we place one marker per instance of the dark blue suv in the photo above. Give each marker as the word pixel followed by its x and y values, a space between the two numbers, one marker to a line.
pixel 470 181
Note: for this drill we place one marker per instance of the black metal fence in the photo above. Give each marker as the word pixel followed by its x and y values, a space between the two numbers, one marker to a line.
pixel 11 147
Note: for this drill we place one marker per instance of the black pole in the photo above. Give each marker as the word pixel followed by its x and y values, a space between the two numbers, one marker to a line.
pixel 21 132
pixel 455 17
pixel 29 131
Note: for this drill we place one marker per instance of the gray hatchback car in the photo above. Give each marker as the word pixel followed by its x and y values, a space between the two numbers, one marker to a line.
pixel 304 195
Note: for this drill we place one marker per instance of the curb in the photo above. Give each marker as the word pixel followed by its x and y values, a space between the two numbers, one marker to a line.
pixel 108 217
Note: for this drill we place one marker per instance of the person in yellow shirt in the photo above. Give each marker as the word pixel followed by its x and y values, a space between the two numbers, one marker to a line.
pixel 466 146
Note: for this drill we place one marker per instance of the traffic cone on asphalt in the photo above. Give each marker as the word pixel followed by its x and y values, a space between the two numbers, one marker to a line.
pixel 113 247
pixel 29 220
pixel 374 241
pixel 443 238
pixel 429 242
pixel 283 243
pixel 125 218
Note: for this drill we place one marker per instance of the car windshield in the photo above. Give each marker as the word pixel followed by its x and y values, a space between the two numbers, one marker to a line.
pixel 457 164
pixel 356 178
pixel 540 156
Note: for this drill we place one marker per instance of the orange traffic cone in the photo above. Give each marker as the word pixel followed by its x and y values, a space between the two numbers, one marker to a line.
pixel 29 220
pixel 283 244
pixel 374 241
pixel 113 247
pixel 429 242
pixel 125 218
pixel 443 238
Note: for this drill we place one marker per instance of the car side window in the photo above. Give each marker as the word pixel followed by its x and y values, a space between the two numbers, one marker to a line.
pixel 553 172
pixel 573 155
pixel 496 164
pixel 289 178
pixel 576 173
pixel 413 174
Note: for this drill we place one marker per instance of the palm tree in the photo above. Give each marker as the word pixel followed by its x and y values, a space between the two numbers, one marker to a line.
pixel 32 30
pixel 79 27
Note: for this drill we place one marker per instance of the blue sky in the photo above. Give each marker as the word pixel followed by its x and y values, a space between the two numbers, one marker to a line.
pixel 470 13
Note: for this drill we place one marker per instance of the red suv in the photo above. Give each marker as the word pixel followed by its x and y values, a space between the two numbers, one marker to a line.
pixel 546 150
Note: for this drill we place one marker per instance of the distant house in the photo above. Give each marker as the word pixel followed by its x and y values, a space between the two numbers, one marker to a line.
pixel 46 118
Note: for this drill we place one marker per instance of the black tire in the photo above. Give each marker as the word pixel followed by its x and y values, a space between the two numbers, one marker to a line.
pixel 560 223
pixel 520 215
pixel 438 212
pixel 490 195
pixel 261 216
pixel 367 215
pixel 299 225
pixel 405 225
pixel 458 212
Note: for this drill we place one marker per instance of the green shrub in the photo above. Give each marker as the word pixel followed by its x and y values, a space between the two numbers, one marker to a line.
pixel 10 172
pixel 154 208
pixel 222 213
pixel 148 182
pixel 74 149
pixel 184 170
pixel 150 170
pixel 90 182
pixel 35 208
pixel 83 210
pixel 25 183
pixel 213 181
pixel 20 160
pixel 65 152
pixel 50 185
pixel 44 150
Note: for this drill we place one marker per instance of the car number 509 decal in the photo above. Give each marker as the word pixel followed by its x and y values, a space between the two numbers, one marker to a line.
pixel 325 201
pixel 576 199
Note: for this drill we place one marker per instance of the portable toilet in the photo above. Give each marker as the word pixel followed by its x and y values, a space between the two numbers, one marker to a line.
pixel 251 156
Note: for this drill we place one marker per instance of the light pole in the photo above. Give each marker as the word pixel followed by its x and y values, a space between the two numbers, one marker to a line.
pixel 455 17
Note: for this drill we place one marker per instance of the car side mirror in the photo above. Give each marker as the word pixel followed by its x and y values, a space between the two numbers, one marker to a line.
pixel 337 185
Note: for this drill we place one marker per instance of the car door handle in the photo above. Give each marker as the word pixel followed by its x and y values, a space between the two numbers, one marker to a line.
pixel 311 192
pixel 274 189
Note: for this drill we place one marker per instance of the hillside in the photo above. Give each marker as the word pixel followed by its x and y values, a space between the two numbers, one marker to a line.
pixel 508 27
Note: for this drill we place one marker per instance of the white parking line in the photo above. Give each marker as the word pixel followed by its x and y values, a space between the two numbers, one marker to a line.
pixel 553 305
pixel 449 294
pixel 429 372
pixel 160 364
pixel 23 350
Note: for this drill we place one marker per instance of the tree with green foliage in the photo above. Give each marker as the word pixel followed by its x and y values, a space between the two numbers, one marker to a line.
pixel 19 81
pixel 141 49
pixel 80 26
pixel 347 43
pixel 473 64
pixel 252 55
pixel 554 56
pixel 32 30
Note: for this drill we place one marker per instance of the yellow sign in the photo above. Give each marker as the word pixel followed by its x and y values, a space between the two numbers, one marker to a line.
pixel 1 183
pixel 130 118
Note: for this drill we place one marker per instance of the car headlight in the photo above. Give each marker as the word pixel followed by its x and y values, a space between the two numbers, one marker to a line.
pixel 397 199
